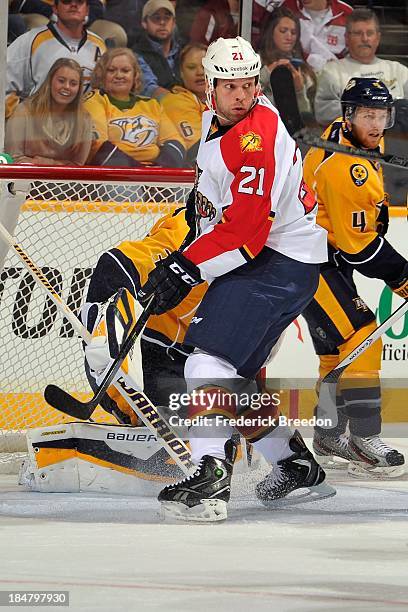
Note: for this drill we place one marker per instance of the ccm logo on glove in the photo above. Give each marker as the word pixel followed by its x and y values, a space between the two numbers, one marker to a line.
pixel 183 274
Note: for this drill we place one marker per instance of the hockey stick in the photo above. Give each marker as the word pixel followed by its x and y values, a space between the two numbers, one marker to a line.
pixel 284 94
pixel 315 141
pixel 139 402
pixel 327 393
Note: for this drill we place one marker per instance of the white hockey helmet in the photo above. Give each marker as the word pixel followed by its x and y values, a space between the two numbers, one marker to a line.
pixel 229 58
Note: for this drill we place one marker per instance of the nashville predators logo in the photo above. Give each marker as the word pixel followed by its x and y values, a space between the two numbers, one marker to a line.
pixel 250 142
pixel 139 131
pixel 359 174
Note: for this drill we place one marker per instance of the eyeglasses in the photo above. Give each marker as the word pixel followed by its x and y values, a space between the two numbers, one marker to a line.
pixel 73 1
pixel 360 33
pixel 157 18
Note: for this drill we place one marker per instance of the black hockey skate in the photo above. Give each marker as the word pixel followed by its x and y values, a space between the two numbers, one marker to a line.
pixel 298 471
pixel 204 495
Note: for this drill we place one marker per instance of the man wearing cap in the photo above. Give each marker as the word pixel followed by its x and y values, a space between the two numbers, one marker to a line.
pixel 157 48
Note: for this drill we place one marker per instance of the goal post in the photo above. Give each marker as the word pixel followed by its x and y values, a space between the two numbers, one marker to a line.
pixel 67 219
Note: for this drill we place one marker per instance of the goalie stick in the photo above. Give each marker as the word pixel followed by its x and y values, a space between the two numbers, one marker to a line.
pixel 56 396
pixel 139 402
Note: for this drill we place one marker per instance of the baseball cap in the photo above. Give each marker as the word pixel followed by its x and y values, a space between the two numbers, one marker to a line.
pixel 152 6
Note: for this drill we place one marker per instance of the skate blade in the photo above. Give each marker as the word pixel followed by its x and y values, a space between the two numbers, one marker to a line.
pixel 209 511
pixel 360 469
pixel 331 462
pixel 309 494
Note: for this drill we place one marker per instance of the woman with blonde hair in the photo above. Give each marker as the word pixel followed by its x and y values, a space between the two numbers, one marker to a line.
pixel 280 46
pixel 51 127
pixel 185 103
pixel 129 130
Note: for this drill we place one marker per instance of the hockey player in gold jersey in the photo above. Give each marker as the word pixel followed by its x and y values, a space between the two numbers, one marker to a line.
pixel 354 210
pixel 130 130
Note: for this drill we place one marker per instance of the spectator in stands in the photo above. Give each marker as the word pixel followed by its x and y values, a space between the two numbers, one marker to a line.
pixel 362 38
pixel 322 27
pixel 51 127
pixel 280 46
pixel 129 130
pixel 158 49
pixel 30 56
pixel 216 18
pixel 45 8
pixel 185 103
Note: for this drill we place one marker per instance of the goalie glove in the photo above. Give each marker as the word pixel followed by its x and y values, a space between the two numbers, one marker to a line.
pixel 400 285
pixel 170 282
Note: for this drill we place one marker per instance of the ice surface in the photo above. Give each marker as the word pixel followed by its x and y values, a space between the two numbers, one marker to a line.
pixel 349 552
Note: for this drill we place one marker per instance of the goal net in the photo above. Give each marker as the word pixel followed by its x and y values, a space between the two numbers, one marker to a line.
pixel 67 219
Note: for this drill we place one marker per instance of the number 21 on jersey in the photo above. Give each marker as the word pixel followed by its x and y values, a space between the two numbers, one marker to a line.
pixel 253 180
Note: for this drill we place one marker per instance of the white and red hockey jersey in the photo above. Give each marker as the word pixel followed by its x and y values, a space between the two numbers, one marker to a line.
pixel 250 193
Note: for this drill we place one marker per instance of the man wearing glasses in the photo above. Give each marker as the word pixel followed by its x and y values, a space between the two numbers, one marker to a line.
pixel 157 48
pixel 31 55
pixel 362 39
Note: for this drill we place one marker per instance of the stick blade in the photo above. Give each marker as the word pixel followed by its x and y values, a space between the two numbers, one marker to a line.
pixel 64 402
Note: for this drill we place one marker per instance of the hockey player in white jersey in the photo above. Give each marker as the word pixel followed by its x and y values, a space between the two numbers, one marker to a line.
pixel 259 248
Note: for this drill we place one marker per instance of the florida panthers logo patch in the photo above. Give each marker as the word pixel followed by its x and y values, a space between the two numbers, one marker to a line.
pixel 359 174
pixel 250 142
pixel 139 131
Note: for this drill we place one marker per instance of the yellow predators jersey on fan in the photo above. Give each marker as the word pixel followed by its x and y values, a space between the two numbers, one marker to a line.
pixel 349 191
pixel 138 131
pixel 185 111
pixel 165 237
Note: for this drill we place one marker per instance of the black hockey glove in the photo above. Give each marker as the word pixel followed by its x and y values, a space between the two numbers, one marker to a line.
pixel 400 285
pixel 382 220
pixel 170 282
